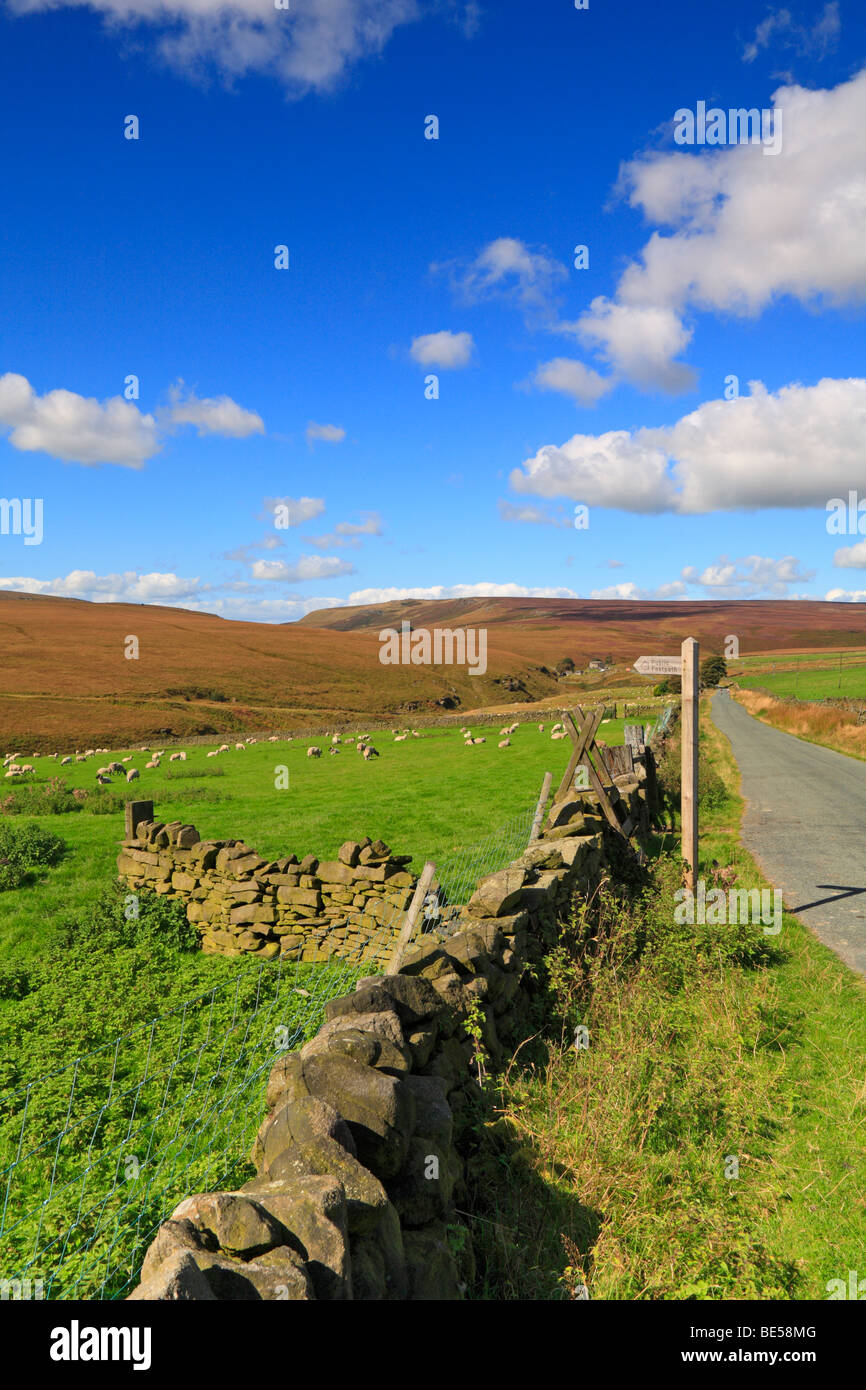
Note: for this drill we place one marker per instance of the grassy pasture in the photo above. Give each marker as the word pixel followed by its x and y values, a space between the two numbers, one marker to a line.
pixel 813 682
pixel 429 796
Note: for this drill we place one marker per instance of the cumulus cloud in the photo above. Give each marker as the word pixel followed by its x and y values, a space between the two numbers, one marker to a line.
pixel 328 434
pixel 484 590
pixel 307 567
pixel 307 47
pixel 782 31
pixel 443 349
pixel 508 268
pixel 297 509
pixel 73 428
pixel 215 415
pixel 573 379
pixel 851 557
pixel 346 533
pixel 127 587
pixel 747 229
pixel 792 448
pixel 749 576
pixel 245 553
pixel 632 592
pixel 845 596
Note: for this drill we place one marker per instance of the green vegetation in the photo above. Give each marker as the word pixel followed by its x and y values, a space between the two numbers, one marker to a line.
pixel 125 1116
pixel 845 682
pixel 713 670
pixel 429 796
pixel 613 1166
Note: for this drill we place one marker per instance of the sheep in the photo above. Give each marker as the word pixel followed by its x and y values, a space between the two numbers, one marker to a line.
pixel 132 774
pixel 223 748
pixel 154 762
pixel 127 759
pixel 479 740
pixel 212 753
pixel 273 739
pixel 370 752
pixel 401 738
pixel 333 752
pixel 13 772
pixel 415 733
pixel 240 747
pixel 176 757
pixel 80 758
pixel 314 752
pixel 503 732
pixel 64 761
pixel 506 743
pixel 116 767
pixel 103 781
pixel 541 728
pixel 336 738
pixel 90 753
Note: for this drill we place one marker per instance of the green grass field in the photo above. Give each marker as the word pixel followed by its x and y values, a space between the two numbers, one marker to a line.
pixel 429 797
pixel 810 684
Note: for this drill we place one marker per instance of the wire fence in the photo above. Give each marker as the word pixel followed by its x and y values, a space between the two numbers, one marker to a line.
pixel 96 1153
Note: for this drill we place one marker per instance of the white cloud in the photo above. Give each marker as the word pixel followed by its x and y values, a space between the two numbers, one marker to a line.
pixel 531 516
pixel 749 576
pixel 780 29
pixel 507 268
pixel 793 448
pixel 631 591
pixel 299 509
pixel 346 533
pixel 76 429
pixel 307 567
pixel 443 349
pixel 845 596
pixel 748 229
pixel 572 378
pixel 128 587
pixel 329 434
pixel 308 47
pixel 442 591
pixel 215 415
pixel 851 557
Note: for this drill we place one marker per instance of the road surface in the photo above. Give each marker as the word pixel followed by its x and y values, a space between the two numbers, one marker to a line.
pixel 805 823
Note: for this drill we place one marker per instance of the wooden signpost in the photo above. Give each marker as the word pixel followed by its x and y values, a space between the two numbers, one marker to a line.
pixel 686 666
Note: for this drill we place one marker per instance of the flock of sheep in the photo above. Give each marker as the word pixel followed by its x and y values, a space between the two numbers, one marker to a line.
pixel 14 769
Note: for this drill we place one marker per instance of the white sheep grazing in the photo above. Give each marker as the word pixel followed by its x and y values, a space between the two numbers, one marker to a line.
pixel 103 781
pixel 212 753
pixel 503 732
pixel 64 761
pixel 80 758
pixel 240 748
pixel 273 739
pixel 116 767
pixel 415 733
pixel 175 757
pixel 91 752
pixel 154 762
pixel 513 729
pixel 506 743
pixel 314 752
pixel 132 774
pixel 370 752
pixel 350 738
pixel 223 748
pixel 336 738
pixel 401 738
pixel 127 759
pixel 13 772
pixel 333 752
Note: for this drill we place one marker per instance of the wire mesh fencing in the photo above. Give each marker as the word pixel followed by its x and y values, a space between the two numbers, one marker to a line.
pixel 94 1154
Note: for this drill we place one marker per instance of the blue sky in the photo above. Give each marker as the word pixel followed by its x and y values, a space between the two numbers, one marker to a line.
pixel 410 257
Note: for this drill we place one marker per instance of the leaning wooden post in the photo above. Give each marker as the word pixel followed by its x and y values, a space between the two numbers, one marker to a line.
pixel 422 888
pixel 690 733
pixel 539 810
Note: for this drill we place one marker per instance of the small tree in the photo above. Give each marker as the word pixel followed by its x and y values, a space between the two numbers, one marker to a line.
pixel 565 666
pixel 713 669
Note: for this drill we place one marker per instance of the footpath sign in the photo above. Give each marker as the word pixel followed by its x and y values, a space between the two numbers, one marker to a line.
pixel 686 666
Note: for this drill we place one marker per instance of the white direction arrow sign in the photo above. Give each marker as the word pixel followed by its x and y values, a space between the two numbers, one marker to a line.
pixel 659 665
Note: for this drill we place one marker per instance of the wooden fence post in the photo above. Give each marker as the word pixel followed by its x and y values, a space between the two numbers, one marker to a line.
pixel 690 736
pixel 539 810
pixel 422 888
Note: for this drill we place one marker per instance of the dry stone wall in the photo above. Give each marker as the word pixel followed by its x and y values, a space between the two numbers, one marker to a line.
pixel 304 909
pixel 360 1156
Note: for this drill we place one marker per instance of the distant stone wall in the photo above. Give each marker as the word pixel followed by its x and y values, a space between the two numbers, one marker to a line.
pixel 361 1155
pixel 305 910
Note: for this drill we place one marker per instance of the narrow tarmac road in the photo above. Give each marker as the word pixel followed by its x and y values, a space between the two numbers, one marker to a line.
pixel 805 823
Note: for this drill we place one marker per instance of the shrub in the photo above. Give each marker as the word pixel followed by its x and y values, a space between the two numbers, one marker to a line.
pixel 51 798
pixel 28 846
